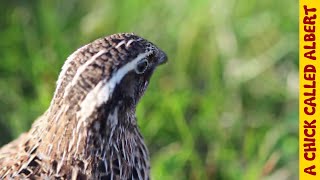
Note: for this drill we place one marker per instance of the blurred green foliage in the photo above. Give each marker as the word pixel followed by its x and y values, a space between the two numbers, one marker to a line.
pixel 224 107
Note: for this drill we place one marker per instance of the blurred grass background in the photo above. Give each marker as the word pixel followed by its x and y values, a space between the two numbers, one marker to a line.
pixel 224 107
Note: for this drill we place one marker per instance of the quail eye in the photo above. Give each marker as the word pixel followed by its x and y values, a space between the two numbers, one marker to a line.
pixel 142 66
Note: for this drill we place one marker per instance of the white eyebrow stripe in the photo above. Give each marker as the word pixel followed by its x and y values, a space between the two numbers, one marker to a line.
pixel 104 89
pixel 122 42
pixel 118 75
pixel 129 42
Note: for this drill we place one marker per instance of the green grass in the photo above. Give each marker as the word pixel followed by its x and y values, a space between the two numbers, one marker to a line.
pixel 224 107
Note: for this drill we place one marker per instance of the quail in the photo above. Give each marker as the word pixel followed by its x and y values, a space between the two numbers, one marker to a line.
pixel 90 129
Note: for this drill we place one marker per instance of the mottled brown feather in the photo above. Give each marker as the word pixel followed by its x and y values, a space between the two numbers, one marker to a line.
pixel 90 129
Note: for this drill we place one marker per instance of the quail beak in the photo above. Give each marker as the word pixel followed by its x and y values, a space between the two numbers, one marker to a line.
pixel 162 57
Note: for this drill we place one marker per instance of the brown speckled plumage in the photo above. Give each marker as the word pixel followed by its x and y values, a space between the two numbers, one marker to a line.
pixel 90 129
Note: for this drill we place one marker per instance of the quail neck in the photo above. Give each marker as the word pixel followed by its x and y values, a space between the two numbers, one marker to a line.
pixel 89 130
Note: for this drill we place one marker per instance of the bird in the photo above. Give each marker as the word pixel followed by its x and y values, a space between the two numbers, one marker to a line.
pixel 90 130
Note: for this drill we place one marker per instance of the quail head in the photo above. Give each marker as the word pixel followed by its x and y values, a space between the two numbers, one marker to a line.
pixel 90 129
